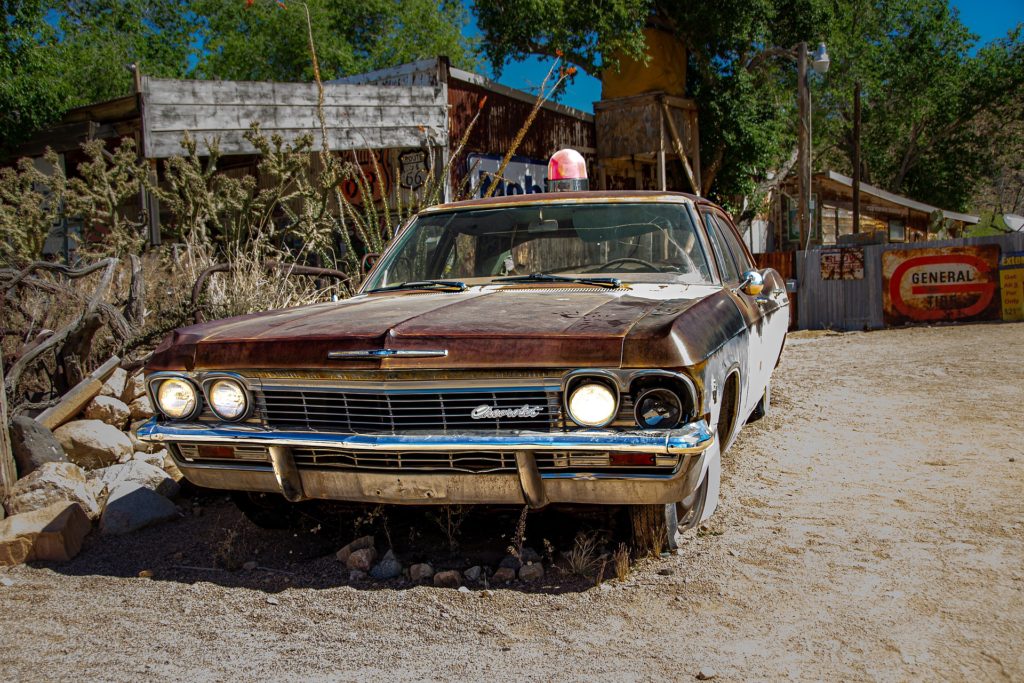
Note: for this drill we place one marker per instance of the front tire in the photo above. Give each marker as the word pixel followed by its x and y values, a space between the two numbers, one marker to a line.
pixel 267 510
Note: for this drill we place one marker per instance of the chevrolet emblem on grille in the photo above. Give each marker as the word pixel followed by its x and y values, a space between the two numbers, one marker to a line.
pixel 486 412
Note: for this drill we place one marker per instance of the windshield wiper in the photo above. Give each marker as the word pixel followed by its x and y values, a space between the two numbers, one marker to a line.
pixel 609 282
pixel 433 285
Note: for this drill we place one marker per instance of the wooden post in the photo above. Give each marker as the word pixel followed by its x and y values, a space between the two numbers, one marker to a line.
pixel 8 471
pixel 680 150
pixel 803 145
pixel 856 158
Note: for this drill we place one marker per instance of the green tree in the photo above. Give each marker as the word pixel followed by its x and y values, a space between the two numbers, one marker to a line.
pixel 263 41
pixel 926 92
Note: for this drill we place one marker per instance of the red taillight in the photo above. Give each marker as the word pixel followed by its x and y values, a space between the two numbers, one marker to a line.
pixel 634 459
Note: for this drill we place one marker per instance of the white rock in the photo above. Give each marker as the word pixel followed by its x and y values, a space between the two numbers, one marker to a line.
pixel 107 409
pixel 52 482
pixel 91 443
pixel 141 408
pixel 132 506
pixel 134 388
pixel 139 473
pixel 154 459
pixel 54 533
pixel 114 386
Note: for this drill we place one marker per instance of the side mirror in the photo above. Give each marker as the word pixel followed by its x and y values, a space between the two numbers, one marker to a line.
pixel 369 261
pixel 753 283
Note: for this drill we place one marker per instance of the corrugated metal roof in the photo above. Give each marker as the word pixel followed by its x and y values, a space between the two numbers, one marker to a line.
pixel 899 199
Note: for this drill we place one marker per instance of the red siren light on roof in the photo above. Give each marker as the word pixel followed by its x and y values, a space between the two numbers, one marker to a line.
pixel 567 172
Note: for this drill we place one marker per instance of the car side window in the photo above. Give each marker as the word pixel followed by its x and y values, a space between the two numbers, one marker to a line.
pixel 723 256
pixel 739 254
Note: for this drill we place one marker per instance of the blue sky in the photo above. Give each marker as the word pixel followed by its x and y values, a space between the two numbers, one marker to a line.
pixel 989 19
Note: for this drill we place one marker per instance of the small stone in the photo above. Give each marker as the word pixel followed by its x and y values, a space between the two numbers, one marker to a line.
pixel 114 386
pixel 485 593
pixel 463 589
pixel 706 673
pixel 733 552
pixel 52 482
pixel 141 408
pixel 273 601
pixel 388 568
pixel 448 579
pixel 528 555
pixel 531 572
pixel 146 574
pixel 362 559
pixel 666 571
pixel 108 409
pixel 421 572
pixel 91 443
pixel 510 562
pixel 6 582
pixel 1013 459
pixel 250 565
pixel 132 506
pixel 134 388
pixel 356 575
pixel 51 533
pixel 33 445
pixel 504 575
pixel 473 573
pixel 358 544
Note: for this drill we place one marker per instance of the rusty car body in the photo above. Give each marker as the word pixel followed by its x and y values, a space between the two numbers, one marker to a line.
pixel 587 347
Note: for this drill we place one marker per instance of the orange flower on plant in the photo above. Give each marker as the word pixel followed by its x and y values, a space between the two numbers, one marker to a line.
pixel 571 71
pixel 558 53
pixel 483 101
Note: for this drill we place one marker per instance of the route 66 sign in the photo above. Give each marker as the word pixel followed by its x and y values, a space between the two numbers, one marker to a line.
pixel 413 169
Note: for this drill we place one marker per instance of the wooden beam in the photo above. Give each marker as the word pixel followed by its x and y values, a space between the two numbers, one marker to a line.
pixel 677 143
pixel 8 470
pixel 83 392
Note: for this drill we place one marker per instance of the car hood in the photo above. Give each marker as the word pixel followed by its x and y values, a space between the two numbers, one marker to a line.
pixel 509 327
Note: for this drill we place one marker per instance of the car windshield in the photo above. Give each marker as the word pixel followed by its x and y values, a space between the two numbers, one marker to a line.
pixel 642 242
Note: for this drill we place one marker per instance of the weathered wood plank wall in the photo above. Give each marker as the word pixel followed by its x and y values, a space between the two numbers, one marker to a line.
pixel 358 116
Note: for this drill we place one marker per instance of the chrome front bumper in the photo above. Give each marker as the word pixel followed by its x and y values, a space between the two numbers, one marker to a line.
pixel 526 486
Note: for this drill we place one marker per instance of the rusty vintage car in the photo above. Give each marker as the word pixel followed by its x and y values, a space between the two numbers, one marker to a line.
pixel 585 348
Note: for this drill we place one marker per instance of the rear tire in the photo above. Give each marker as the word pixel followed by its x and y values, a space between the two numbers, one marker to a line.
pixel 763 406
pixel 267 510
pixel 648 529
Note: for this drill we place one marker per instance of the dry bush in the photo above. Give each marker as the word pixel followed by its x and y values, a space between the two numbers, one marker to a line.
pixel 621 561
pixel 583 558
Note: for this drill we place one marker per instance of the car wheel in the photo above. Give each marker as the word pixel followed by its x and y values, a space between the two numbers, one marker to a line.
pixel 266 510
pixel 648 529
pixel 763 406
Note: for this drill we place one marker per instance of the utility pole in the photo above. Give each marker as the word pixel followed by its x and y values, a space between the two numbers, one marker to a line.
pixel 856 158
pixel 803 145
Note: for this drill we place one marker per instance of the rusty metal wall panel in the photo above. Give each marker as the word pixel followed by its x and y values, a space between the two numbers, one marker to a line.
pixel 950 284
pixel 858 304
pixel 500 121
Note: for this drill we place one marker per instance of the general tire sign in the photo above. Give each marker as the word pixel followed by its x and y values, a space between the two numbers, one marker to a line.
pixel 942 284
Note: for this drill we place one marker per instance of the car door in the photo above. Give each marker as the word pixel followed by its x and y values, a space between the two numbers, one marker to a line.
pixel 769 318
pixel 732 263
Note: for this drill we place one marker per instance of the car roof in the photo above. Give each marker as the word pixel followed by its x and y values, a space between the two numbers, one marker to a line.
pixel 570 197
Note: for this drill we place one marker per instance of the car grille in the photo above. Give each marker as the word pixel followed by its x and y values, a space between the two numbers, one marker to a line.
pixel 389 412
pixel 405 461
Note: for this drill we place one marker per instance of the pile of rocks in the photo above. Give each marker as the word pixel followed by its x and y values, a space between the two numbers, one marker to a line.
pixel 92 468
pixel 360 557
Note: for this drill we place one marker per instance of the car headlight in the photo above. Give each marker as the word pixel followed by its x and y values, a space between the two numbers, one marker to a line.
pixel 658 409
pixel 228 399
pixel 177 398
pixel 592 404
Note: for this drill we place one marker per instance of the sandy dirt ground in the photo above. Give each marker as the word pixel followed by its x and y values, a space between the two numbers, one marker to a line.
pixel 872 528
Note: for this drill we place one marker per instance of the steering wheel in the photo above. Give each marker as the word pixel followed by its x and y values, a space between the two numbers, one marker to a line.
pixel 626 259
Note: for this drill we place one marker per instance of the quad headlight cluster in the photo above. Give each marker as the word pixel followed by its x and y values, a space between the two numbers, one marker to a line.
pixel 179 398
pixel 595 402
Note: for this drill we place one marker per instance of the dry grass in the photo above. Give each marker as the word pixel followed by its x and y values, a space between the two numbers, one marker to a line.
pixel 621 561
pixel 583 558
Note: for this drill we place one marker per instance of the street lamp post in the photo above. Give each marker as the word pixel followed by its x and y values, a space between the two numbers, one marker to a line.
pixel 819 61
